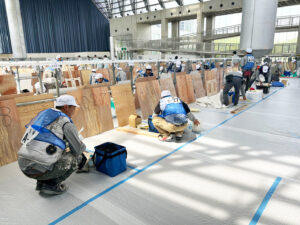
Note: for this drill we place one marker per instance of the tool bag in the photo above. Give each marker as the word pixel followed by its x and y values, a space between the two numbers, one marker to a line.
pixel 110 158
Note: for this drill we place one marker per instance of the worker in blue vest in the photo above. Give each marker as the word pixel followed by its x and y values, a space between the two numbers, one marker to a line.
pixel 171 116
pixel 100 79
pixel 248 66
pixel 148 72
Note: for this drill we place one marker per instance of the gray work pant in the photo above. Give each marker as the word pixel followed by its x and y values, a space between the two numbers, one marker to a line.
pixel 232 81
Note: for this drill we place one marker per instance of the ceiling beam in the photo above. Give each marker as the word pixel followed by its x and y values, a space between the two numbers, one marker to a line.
pixel 147 5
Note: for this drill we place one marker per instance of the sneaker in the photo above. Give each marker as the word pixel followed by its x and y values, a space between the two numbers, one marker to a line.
pixel 224 106
pixel 165 138
pixel 39 185
pixel 84 169
pixel 53 190
pixel 178 137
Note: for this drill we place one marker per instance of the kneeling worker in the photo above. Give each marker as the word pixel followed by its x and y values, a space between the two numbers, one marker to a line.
pixel 100 79
pixel 171 116
pixel 51 148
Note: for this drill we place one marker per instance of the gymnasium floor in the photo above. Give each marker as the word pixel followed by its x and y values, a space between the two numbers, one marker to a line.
pixel 242 169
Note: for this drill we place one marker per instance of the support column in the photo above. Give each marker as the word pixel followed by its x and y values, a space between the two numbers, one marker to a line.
pixel 175 30
pixel 210 26
pixel 164 35
pixel 200 29
pixel 15 28
pixel 298 54
pixel 298 43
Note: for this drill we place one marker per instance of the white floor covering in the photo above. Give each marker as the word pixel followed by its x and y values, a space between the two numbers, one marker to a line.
pixel 220 177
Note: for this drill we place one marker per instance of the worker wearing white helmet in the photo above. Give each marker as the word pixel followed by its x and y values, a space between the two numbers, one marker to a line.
pixel 248 67
pixel 198 67
pixel 171 116
pixel 148 72
pixel 121 75
pixel 99 78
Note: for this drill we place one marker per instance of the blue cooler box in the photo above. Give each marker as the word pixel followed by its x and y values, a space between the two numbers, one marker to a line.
pixel 110 158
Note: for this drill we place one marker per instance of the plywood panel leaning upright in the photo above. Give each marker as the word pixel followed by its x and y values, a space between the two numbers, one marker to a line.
pixel 102 103
pixel 10 132
pixel 124 102
pixel 198 85
pixel 148 94
pixel 185 89
pixel 167 84
pixel 28 112
pixel 7 85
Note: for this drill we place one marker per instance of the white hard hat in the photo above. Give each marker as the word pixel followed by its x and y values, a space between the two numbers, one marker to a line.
pixel 94 70
pixel 249 50
pixel 148 67
pixel 198 67
pixel 120 69
pixel 58 57
pixel 66 100
pixel 165 93
pixel 161 68
pixel 99 76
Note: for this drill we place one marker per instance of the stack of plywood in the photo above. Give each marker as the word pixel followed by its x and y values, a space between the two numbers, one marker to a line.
pixel 124 102
pixel 198 84
pixel 10 132
pixel 7 85
pixel 185 89
pixel 148 95
pixel 211 82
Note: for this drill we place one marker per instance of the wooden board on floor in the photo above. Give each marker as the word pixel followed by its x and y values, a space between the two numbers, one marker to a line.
pixel 102 103
pixel 8 85
pixel 10 132
pixel 124 102
pixel 148 94
pixel 198 85
pixel 28 112
pixel 78 116
pixel 91 125
pixel 6 97
pixel 137 131
pixel 185 89
pixel 239 109
pixel 167 84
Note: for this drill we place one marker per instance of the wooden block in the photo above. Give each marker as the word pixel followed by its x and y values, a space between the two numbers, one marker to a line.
pixel 124 102
pixel 148 94
pixel 185 89
pixel 8 85
pixel 239 109
pixel 102 101
pixel 28 112
pixel 198 85
pixel 10 132
pixel 137 131
pixel 167 84
pixel 6 97
pixel 134 120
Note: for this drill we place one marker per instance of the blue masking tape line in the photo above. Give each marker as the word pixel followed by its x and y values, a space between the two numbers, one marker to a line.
pixel 151 164
pixel 265 201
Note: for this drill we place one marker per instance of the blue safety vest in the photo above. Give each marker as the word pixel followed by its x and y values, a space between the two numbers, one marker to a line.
pixel 40 123
pixel 250 62
pixel 173 110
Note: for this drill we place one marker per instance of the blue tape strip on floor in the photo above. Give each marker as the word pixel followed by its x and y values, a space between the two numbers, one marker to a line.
pixel 153 163
pixel 264 203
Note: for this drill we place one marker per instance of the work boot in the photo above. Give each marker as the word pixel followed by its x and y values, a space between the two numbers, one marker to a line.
pixel 165 138
pixel 84 165
pixel 178 137
pixel 39 185
pixel 53 190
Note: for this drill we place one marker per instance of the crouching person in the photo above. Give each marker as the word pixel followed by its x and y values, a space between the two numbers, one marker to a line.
pixel 171 116
pixel 51 148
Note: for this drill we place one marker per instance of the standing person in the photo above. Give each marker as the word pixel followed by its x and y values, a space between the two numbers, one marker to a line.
pixel 121 75
pixel 233 79
pixel 170 117
pixel 248 66
pixel 236 60
pixel 51 147
pixel 93 76
pixel 178 64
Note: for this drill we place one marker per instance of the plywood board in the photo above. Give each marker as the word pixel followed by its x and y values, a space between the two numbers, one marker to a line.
pixel 91 125
pixel 10 132
pixel 78 116
pixel 211 84
pixel 102 103
pixel 28 112
pixel 185 89
pixel 124 102
pixel 85 74
pixel 198 85
pixel 143 79
pixel 7 85
pixel 167 84
pixel 148 94
pixel 6 97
